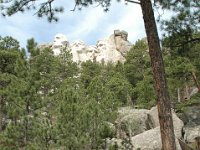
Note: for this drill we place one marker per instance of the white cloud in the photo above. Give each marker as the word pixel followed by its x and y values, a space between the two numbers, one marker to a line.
pixel 132 22
pixel 86 24
pixel 90 24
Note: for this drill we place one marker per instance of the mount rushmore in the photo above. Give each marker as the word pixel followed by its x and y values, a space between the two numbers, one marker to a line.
pixel 110 49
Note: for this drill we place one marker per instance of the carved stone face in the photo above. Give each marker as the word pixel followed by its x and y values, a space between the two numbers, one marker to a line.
pixel 78 46
pixel 92 52
pixel 60 41
pixel 101 45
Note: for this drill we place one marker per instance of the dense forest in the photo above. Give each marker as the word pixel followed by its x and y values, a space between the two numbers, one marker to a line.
pixel 51 102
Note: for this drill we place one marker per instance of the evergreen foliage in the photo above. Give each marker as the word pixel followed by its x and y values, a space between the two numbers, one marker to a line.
pixel 30 111
pixel 50 102
pixel 138 71
pixel 182 63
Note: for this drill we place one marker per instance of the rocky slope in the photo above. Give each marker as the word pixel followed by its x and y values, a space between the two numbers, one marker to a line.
pixel 139 129
pixel 109 49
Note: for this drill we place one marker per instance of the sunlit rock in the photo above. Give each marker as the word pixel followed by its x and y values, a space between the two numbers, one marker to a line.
pixel 60 41
pixel 78 50
pixel 110 49
pixel 92 52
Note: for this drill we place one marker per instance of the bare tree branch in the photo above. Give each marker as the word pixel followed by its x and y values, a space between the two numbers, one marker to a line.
pixel 74 7
pixel 132 1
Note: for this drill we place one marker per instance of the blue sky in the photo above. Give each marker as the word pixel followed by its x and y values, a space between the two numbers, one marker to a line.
pixel 90 24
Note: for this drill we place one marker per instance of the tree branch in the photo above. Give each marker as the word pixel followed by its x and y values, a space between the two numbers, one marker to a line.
pixel 184 43
pixel 132 2
pixel 74 7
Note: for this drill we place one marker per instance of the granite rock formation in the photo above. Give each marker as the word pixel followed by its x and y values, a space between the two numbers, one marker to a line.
pixel 110 49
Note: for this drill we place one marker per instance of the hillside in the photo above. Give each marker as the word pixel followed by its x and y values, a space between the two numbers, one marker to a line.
pixel 73 96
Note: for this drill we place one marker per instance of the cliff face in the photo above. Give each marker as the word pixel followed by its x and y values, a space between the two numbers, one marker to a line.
pixel 110 49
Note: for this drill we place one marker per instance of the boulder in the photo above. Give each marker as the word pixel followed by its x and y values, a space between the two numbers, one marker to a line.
pixel 117 32
pixel 178 123
pixel 123 34
pixel 191 132
pixel 141 126
pixel 192 123
pixel 192 115
pixel 132 122
pixel 149 140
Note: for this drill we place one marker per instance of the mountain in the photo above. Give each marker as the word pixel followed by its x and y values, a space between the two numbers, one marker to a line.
pixel 110 49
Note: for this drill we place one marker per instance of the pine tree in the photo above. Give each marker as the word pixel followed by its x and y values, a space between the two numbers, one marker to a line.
pixel 71 124
pixel 89 70
pixel 181 65
pixel 184 22
pixel 161 88
pixel 12 87
pixel 137 62
pixel 8 58
pixel 102 105
pixel 139 73
pixel 121 87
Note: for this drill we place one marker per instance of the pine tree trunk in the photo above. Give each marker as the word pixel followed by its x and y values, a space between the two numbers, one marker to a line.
pixel 163 99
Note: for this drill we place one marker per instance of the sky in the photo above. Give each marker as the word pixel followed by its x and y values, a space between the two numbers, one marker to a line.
pixel 90 24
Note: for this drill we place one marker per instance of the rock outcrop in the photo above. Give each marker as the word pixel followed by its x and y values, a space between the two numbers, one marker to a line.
pixel 132 122
pixel 151 139
pixel 110 49
pixel 178 123
pixel 60 41
pixel 191 132
pixel 192 123
pixel 141 126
